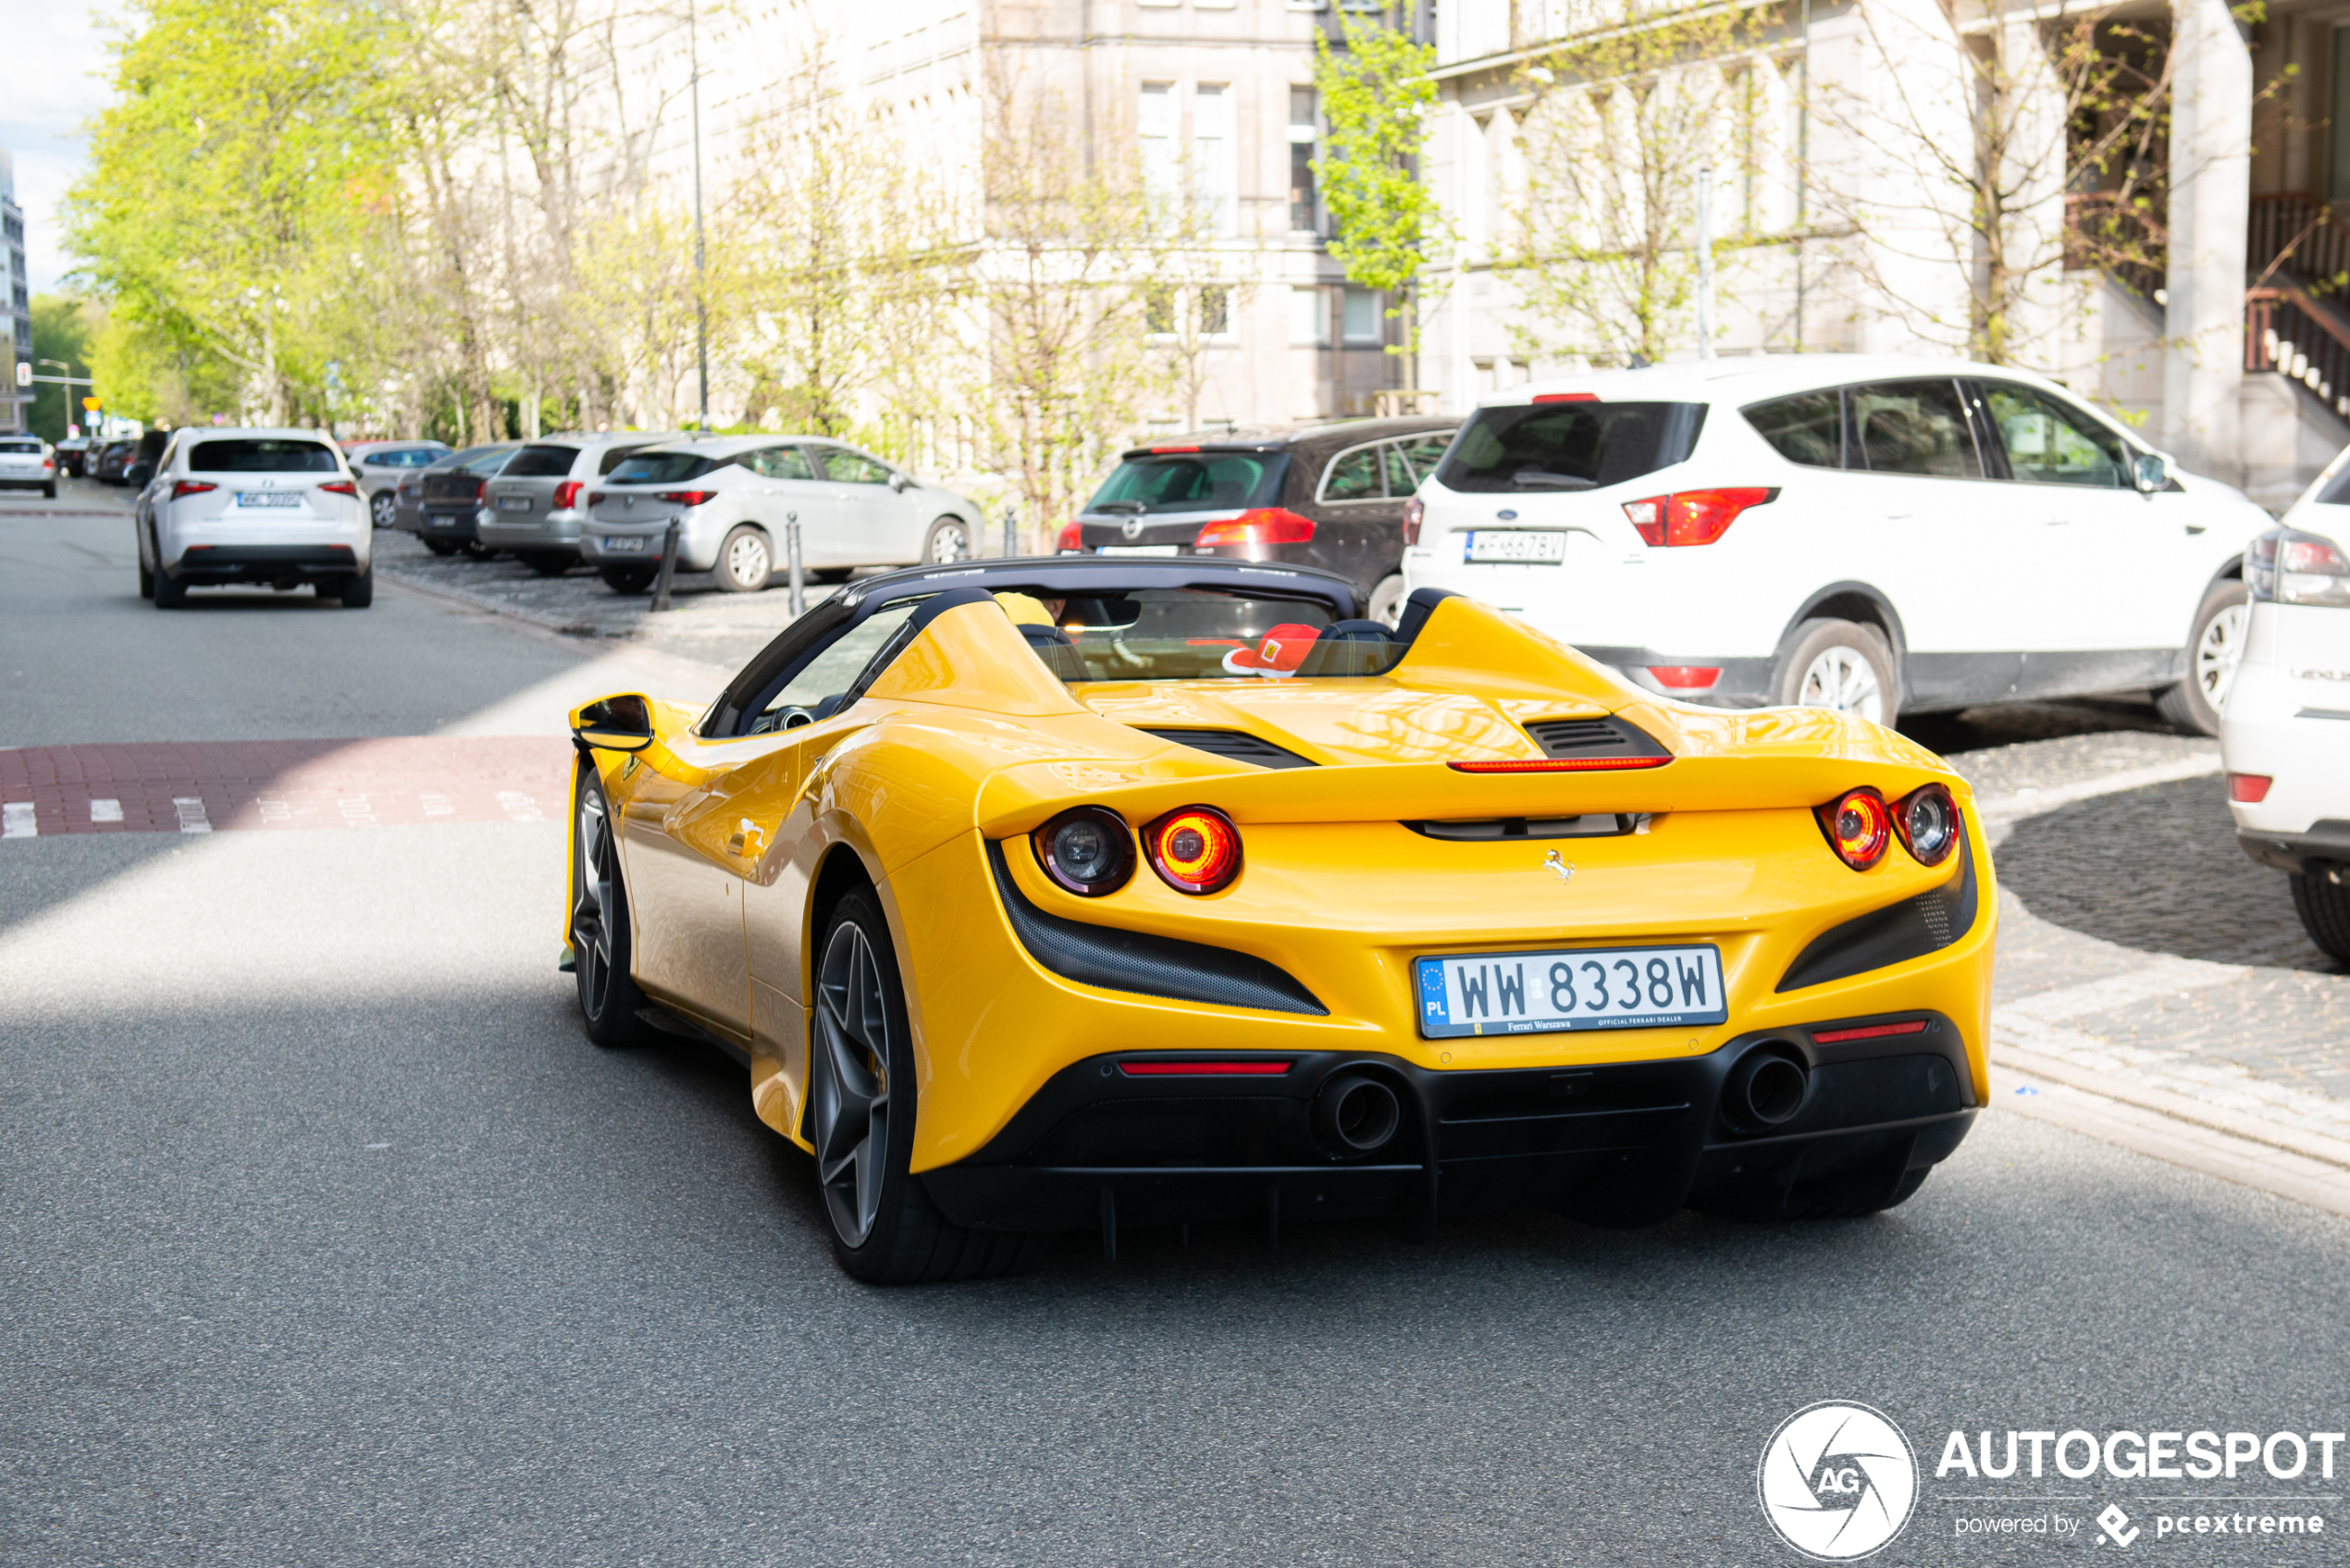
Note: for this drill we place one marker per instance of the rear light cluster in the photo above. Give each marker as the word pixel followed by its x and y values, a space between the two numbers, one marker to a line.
pixel 1694 517
pixel 1259 526
pixel 686 498
pixel 1558 764
pixel 2287 566
pixel 1859 825
pixel 567 494
pixel 1090 851
pixel 339 487
pixel 1415 514
pixel 190 488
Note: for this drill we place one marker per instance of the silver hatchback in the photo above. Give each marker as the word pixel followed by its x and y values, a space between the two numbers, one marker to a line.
pixel 734 496
pixel 534 506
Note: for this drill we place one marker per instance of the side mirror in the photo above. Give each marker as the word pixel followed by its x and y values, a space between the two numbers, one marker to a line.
pixel 2152 472
pixel 900 483
pixel 617 723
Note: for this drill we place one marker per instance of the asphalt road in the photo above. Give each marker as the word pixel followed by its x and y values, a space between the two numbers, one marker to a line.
pixel 325 1238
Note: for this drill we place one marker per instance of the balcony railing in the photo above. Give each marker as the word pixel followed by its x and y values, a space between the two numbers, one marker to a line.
pixel 2286 331
pixel 2295 233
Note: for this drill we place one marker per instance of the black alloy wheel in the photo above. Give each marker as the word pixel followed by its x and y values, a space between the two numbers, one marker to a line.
pixel 860 1118
pixel 599 941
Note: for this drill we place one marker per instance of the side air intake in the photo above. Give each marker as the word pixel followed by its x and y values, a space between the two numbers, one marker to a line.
pixel 1236 745
pixel 1911 929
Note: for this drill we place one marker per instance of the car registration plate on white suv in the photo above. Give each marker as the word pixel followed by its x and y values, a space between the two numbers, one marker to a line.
pixel 1532 546
pixel 268 498
pixel 1575 988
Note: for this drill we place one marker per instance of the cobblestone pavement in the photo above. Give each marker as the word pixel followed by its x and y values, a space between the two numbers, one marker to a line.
pixel 704 622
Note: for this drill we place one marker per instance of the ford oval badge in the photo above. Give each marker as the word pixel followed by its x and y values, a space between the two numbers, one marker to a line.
pixel 1507 515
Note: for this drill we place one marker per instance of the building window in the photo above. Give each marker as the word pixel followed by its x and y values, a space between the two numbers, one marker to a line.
pixel 1216 311
pixel 1308 317
pixel 1215 156
pixel 1159 311
pixel 1304 217
pixel 1155 124
pixel 1360 322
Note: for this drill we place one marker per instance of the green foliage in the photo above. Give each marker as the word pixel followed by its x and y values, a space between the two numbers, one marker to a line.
pixel 63 326
pixel 235 186
pixel 1378 99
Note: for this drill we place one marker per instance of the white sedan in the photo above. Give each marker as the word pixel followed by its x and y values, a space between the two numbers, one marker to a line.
pixel 1874 534
pixel 2286 738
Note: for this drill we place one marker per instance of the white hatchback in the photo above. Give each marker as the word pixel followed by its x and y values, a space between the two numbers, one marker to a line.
pixel 1878 535
pixel 277 507
pixel 2286 737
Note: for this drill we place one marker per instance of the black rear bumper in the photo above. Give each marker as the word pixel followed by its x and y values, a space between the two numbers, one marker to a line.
pixel 1626 1143
pixel 2326 844
pixel 263 563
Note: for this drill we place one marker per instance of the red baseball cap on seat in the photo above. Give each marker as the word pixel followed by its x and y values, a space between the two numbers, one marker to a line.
pixel 1281 651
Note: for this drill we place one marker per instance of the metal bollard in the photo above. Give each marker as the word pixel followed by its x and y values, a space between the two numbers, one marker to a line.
pixel 1011 531
pixel 668 567
pixel 791 565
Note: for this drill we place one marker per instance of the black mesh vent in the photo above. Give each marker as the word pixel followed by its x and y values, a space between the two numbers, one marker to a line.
pixel 1894 935
pixel 1237 744
pixel 1146 965
pixel 1489 829
pixel 1592 737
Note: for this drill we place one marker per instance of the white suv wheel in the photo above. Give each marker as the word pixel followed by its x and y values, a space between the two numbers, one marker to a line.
pixel 2218 653
pixel 1841 678
pixel 1844 666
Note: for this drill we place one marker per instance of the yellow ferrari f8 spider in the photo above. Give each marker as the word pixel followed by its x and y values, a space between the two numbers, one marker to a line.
pixel 1074 894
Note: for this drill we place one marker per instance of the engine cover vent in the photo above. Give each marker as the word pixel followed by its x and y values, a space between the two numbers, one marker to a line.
pixel 1592 737
pixel 1237 744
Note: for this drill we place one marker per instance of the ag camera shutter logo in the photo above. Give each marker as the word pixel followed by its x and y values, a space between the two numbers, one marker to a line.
pixel 1838 1481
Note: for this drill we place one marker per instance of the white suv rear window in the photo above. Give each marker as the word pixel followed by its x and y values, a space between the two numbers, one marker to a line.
pixel 262 454
pixel 1569 445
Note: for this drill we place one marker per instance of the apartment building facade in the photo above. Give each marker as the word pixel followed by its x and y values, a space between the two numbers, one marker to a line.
pixel 15 319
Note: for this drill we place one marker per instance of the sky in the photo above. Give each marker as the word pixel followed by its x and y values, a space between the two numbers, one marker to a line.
pixel 50 89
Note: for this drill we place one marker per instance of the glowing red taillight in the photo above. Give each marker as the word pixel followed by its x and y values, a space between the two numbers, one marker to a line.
pixel 1072 536
pixel 339 487
pixel 686 498
pixel 1858 827
pixel 1195 849
pixel 567 494
pixel 190 488
pixel 1686 677
pixel 1558 764
pixel 2249 789
pixel 1259 526
pixel 1694 517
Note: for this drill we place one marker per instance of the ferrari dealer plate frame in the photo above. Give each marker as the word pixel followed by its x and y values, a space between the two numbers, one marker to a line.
pixel 1517 547
pixel 1472 993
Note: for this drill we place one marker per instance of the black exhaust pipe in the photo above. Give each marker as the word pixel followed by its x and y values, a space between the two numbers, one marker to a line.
pixel 1766 1090
pixel 1356 1114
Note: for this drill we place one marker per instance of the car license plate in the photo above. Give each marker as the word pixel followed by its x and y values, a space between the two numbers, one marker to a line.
pixel 1517 544
pixel 624 547
pixel 268 498
pixel 1576 989
pixel 1140 550
pixel 514 504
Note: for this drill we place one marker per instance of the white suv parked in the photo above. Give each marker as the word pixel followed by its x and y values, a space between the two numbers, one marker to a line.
pixel 254 506
pixel 1875 535
pixel 2286 737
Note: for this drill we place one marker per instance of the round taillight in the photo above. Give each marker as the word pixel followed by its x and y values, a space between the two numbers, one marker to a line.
pixel 1858 827
pixel 1196 849
pixel 1928 821
pixel 1088 850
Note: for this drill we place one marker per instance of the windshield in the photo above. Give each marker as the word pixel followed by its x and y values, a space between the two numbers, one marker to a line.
pixel 664 467
pixel 262 454
pixel 1192 481
pixel 1196 634
pixel 1569 445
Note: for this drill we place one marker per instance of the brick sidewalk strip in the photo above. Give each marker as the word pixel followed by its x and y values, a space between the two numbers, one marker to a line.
pixel 228 786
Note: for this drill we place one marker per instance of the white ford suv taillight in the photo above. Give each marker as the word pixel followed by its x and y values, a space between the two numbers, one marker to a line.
pixel 1694 517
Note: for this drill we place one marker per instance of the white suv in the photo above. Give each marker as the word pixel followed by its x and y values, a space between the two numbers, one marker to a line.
pixel 254 506
pixel 1878 535
pixel 2286 737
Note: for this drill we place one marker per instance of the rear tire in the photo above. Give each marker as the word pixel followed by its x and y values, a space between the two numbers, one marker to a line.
pixel 146 582
pixel 359 589
pixel 1841 665
pixel 2324 908
pixel 48 492
pixel 626 579
pixel 441 547
pixel 1830 1201
pixel 170 593
pixel 600 944
pixel 860 1091
pixel 2214 649
pixel 745 561
pixel 547 563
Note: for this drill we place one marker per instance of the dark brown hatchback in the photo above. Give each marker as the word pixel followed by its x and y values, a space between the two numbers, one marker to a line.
pixel 1323 495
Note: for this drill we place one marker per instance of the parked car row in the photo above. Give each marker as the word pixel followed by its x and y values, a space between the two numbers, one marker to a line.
pixel 607 500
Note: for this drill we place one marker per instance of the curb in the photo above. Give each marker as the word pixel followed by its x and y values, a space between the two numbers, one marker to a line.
pixel 545 622
pixel 2316 1147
